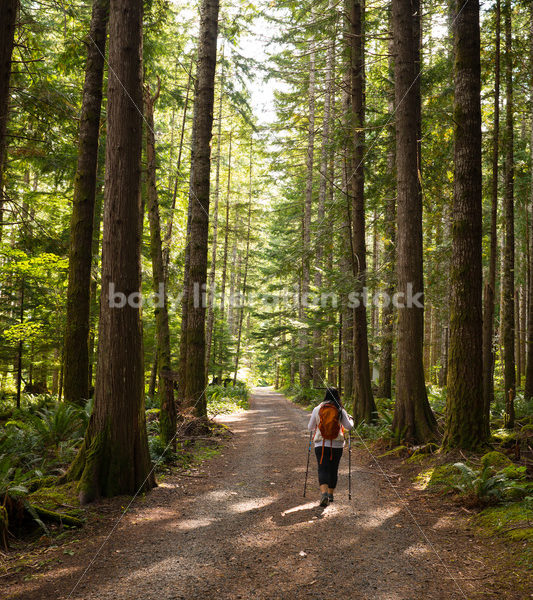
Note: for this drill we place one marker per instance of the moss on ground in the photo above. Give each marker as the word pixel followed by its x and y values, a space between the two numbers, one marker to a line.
pixel 512 521
pixel 497 460
pixel 60 498
pixel 437 478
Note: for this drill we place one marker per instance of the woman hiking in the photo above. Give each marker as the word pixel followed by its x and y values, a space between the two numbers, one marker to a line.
pixel 328 421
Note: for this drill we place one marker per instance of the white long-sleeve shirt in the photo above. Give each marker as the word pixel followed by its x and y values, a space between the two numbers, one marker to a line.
pixel 346 422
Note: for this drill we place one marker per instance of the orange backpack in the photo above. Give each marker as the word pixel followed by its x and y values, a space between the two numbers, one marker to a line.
pixel 329 424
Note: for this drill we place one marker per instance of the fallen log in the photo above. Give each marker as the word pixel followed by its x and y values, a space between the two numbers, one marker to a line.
pixel 56 517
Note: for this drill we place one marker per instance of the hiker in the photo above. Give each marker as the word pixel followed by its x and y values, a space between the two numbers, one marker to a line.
pixel 328 421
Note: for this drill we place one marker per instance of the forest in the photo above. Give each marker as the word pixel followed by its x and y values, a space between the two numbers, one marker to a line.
pixel 213 212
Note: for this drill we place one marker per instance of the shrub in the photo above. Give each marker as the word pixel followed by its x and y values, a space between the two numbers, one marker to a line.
pixel 58 425
pixel 486 486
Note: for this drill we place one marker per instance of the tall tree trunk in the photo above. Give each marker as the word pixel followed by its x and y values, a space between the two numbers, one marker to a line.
pixel 304 367
pixel 8 19
pixel 508 279
pixel 364 406
pixel 245 276
pixel 20 345
pixel 76 374
pixel 318 367
pixel 167 243
pixel 182 366
pixel 114 458
pixel 413 418
pixel 518 335
pixel 152 384
pixel 195 380
pixel 212 271
pixel 490 284
pixel 226 238
pixel 465 427
pixel 346 357
pixel 167 415
pixel 523 303
pixel 528 389
pixel 95 278
pixel 387 311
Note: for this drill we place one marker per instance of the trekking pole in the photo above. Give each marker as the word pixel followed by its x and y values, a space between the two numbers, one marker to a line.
pixel 308 456
pixel 350 464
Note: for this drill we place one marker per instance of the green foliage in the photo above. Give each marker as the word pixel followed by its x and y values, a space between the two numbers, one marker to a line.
pixel 308 397
pixel 488 486
pixel 59 424
pixel 224 400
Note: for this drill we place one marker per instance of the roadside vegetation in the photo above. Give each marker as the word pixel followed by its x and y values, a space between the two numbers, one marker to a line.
pixel 39 440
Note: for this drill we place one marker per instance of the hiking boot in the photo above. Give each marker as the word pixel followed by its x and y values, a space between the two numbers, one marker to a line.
pixel 325 500
pixel 330 498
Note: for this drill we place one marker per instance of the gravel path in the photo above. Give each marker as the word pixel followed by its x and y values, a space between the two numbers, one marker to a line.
pixel 245 531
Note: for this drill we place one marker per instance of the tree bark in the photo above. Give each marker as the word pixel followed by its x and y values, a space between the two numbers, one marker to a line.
pixel 168 235
pixel 528 389
pixel 304 366
pixel 245 276
pixel 114 458
pixel 387 313
pixel 76 374
pixel 167 414
pixel 490 284
pixel 364 406
pixel 465 427
pixel 413 419
pixel 182 366
pixel 20 345
pixel 508 279
pixel 195 381
pixel 8 20
pixel 212 272
pixel 346 359
pixel 95 280
pixel 318 367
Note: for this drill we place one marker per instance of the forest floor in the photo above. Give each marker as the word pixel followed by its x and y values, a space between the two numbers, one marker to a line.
pixel 242 529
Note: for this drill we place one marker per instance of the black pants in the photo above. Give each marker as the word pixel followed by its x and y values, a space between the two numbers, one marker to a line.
pixel 329 469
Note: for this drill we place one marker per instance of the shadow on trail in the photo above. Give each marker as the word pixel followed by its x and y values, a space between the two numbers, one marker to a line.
pixel 249 533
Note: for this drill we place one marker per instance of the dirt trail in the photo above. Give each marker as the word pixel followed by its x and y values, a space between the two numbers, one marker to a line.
pixel 240 532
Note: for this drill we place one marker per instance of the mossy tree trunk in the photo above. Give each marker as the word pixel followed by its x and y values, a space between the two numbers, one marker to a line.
pixel 76 355
pixel 465 427
pixel 8 19
pixel 195 380
pixel 508 275
pixel 413 419
pixel 167 414
pixel 528 389
pixel 490 284
pixel 364 406
pixel 114 456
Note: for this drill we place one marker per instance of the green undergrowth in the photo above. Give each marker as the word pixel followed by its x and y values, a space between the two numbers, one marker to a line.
pixel 305 397
pixel 226 400
pixel 496 488
pixel 39 441
pixel 512 521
